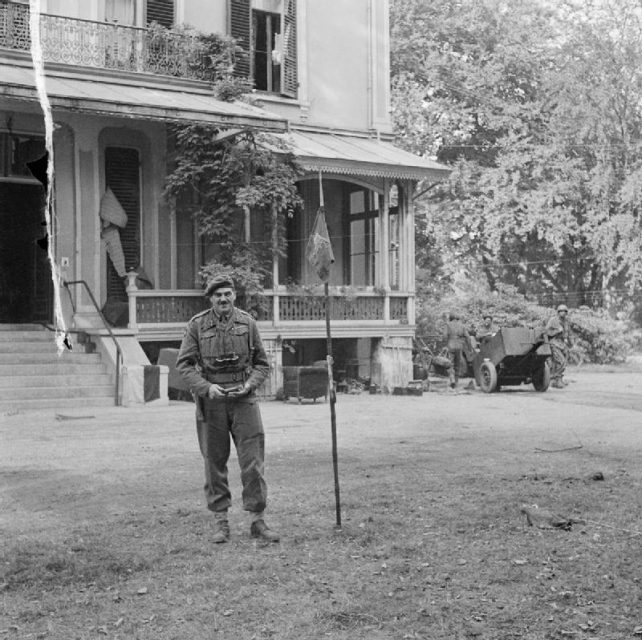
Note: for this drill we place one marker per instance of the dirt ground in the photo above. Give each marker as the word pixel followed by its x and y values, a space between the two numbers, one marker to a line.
pixel 63 471
pixel 60 467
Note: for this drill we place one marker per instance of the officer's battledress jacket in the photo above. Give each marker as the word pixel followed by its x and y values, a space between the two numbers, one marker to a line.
pixel 210 344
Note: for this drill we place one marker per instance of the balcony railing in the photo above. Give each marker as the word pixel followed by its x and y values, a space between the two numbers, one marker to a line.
pixel 157 309
pixel 104 45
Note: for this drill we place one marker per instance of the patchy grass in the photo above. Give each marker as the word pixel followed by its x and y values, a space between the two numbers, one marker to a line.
pixel 431 547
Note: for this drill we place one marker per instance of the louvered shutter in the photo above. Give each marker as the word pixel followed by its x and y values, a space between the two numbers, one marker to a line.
pixel 289 77
pixel 123 177
pixel 240 20
pixel 161 11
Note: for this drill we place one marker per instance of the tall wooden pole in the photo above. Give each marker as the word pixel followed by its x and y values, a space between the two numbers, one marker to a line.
pixel 333 414
pixel 331 391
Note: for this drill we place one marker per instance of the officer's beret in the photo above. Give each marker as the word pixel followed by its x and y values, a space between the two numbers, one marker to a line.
pixel 217 282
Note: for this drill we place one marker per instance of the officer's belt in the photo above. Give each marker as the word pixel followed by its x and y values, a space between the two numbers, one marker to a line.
pixel 222 378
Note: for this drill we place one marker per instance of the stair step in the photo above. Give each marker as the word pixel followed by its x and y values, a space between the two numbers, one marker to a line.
pixel 62 379
pixel 22 327
pixel 54 369
pixel 22 336
pixel 69 357
pixel 63 393
pixel 38 346
pixel 34 404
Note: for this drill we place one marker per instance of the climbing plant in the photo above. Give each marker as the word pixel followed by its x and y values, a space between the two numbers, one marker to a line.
pixel 229 177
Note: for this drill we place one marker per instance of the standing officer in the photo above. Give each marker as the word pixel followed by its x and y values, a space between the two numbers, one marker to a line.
pixel 223 361
pixel 558 333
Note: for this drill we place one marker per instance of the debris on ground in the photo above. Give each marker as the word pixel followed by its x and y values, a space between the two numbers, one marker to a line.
pixel 545 519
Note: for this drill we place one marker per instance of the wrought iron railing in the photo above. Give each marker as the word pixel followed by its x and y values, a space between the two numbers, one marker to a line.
pixel 399 309
pixel 295 308
pixel 104 45
pixel 155 308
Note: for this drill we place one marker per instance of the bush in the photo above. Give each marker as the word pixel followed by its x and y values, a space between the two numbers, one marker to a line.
pixel 597 337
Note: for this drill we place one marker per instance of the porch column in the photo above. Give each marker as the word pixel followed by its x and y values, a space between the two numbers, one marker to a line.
pixel 173 266
pixel 384 248
pixel 409 187
pixel 131 295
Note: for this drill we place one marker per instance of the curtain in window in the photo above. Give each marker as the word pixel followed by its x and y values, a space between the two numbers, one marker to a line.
pixel 121 11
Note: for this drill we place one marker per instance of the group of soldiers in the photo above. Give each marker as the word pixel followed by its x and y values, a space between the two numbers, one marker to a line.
pixel 459 340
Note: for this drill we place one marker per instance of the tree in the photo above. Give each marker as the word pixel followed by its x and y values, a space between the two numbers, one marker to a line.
pixel 536 106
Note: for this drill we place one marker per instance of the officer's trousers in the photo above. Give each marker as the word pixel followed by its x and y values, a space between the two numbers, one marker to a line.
pixel 455 359
pixel 558 360
pixel 240 418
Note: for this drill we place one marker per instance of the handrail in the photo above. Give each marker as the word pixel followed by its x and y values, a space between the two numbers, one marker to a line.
pixel 119 353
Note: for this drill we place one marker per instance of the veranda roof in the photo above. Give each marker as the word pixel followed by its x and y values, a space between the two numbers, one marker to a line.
pixel 359 156
pixel 144 98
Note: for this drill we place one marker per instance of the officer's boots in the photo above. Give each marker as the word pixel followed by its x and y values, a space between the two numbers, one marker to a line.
pixel 259 529
pixel 221 528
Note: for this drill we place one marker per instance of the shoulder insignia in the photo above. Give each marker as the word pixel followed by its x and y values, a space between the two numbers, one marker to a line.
pixel 200 314
pixel 244 316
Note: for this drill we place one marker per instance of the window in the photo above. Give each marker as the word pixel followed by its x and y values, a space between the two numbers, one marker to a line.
pixel 266 31
pixel 266 35
pixel 161 11
pixel 364 237
pixel 120 11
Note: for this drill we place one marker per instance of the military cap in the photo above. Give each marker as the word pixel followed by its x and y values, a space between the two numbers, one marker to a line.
pixel 487 314
pixel 217 282
pixel 562 307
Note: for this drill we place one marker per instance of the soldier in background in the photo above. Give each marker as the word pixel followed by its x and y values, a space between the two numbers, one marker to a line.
pixel 559 338
pixel 457 338
pixel 487 330
pixel 223 361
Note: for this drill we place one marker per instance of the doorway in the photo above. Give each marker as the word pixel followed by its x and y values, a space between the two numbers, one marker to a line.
pixel 26 288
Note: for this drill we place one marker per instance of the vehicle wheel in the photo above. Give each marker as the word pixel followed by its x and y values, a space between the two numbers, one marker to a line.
pixel 487 377
pixel 542 378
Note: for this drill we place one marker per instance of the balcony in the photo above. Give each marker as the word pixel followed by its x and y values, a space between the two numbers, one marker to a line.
pixel 104 45
pixel 163 313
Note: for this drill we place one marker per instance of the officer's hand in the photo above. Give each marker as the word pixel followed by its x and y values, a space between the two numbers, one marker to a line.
pixel 215 391
pixel 239 393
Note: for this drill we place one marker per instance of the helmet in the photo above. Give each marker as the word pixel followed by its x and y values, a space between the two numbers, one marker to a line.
pixel 562 307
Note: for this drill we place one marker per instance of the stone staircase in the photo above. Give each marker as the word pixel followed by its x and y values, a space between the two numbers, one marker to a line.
pixel 34 376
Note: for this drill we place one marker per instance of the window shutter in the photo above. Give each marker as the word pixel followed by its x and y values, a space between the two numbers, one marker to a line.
pixel 161 11
pixel 239 12
pixel 122 177
pixel 289 76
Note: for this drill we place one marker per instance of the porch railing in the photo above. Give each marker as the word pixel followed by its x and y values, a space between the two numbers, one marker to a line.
pixel 155 308
pixel 104 45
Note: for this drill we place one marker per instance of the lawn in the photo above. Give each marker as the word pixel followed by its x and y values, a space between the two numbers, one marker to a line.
pixel 433 545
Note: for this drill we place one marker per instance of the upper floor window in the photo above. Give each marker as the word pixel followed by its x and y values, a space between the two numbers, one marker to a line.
pixel 161 11
pixel 266 30
pixel 124 12
pixel 120 11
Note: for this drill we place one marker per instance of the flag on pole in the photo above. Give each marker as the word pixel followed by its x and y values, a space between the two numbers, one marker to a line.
pixel 319 250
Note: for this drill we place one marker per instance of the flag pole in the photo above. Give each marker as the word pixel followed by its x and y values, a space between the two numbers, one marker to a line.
pixel 331 390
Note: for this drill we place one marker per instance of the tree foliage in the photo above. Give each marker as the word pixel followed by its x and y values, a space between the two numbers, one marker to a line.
pixel 537 107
